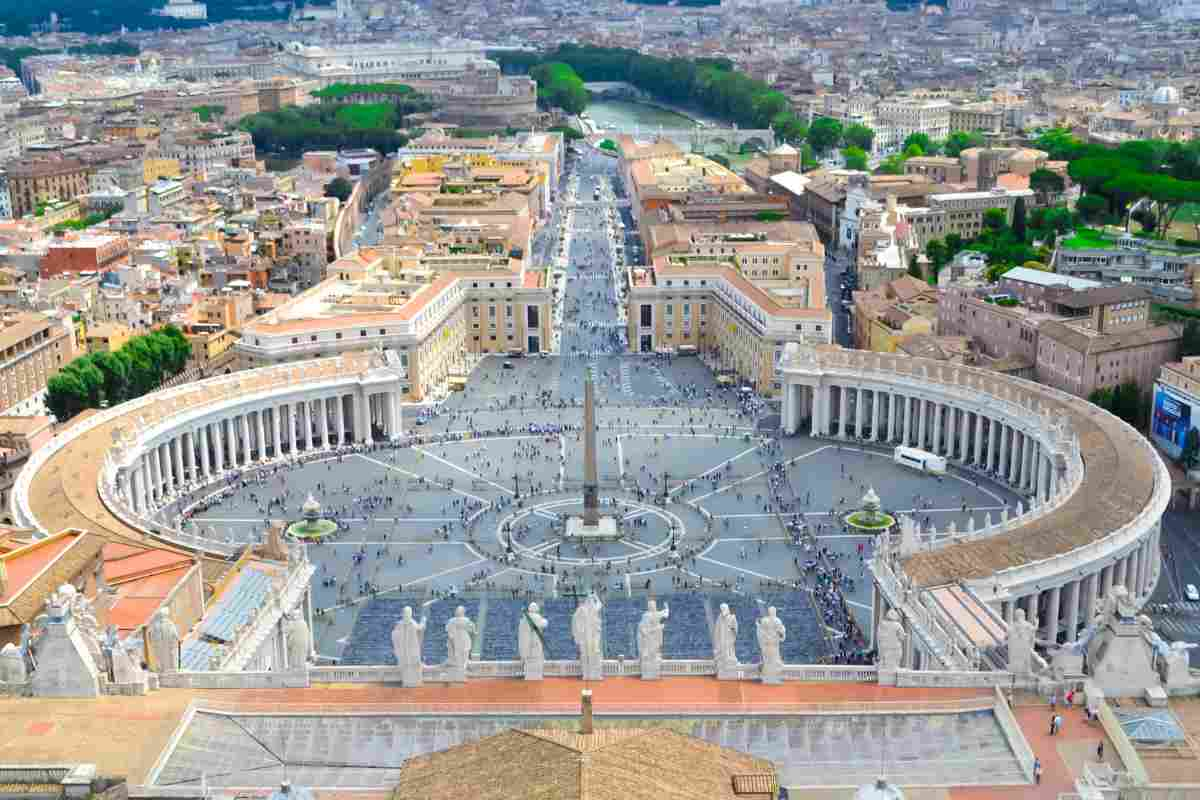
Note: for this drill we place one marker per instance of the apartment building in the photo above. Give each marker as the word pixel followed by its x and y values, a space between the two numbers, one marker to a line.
pixel 19 437
pixel 886 315
pixel 33 347
pixel 1175 405
pixel 899 117
pixel 36 182
pixel 986 117
pixel 196 153
pixel 83 253
pixel 939 169
pixel 960 212
pixel 1077 340
pixel 1157 267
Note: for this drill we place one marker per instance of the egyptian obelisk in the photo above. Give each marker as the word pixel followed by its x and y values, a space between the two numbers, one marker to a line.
pixel 591 483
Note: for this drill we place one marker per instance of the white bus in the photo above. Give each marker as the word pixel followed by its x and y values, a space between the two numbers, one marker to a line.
pixel 920 460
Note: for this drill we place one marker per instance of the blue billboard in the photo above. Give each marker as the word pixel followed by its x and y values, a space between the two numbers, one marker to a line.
pixel 1172 419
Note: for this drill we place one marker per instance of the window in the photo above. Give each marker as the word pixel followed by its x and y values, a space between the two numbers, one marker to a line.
pixel 647 316
pixel 362 333
pixel 338 335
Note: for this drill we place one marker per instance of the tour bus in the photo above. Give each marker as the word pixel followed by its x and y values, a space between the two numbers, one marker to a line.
pixel 919 459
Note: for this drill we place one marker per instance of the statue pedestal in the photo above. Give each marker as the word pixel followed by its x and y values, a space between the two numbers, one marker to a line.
pixel 454 675
pixel 1120 660
pixel 650 669
pixel 412 678
pixel 534 670
pixel 728 672
pixel 592 673
pixel 65 666
pixel 771 673
pixel 605 530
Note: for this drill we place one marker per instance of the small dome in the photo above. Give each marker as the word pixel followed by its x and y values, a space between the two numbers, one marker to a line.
pixel 784 149
pixel 1166 95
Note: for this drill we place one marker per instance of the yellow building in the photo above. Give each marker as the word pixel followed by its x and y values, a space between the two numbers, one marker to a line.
pixel 155 168
pixel 107 337
pixel 885 315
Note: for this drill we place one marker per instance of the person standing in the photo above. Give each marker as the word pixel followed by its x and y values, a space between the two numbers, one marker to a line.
pixel 1100 751
pixel 1037 770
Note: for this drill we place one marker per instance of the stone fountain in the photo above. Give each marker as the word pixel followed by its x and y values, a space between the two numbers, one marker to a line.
pixel 314 525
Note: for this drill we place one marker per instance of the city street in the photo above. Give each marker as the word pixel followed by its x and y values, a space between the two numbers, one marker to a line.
pixel 1175 618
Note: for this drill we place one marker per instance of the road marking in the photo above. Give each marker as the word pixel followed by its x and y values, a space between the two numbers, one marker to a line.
pixel 758 474
pixel 740 569
pixel 403 471
pixel 463 470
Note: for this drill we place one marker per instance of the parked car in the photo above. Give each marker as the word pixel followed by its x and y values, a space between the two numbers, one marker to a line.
pixel 1191 593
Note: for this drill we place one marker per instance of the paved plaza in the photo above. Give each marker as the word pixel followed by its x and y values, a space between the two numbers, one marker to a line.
pixel 474 509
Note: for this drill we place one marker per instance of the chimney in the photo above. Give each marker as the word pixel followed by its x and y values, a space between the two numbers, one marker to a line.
pixel 585 723
pixel 4 582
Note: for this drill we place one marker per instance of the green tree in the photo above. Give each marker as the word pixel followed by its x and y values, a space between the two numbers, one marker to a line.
pixel 340 188
pixel 1060 144
pixel 824 134
pixel 1189 344
pixel 1018 223
pixel 855 158
pixel 921 140
pixel 857 135
pixel 892 165
pixel 958 141
pixel 1046 184
pixel 1091 207
pixel 66 395
pixel 994 219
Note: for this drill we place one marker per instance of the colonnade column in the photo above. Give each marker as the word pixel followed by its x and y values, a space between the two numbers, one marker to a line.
pixel 261 429
pixel 951 429
pixel 876 415
pixel 1052 601
pixel 244 430
pixel 991 449
pixel 978 438
pixel 189 454
pixel 144 482
pixel 908 403
pixel 205 458
pixel 891 416
pixel 843 411
pixel 277 430
pixel 1014 457
pixel 923 410
pixel 324 423
pixel 1120 567
pixel 177 456
pixel 937 429
pixel 1089 597
pixel 1072 618
pixel 291 427
pixel 362 418
pixel 339 418
pixel 964 436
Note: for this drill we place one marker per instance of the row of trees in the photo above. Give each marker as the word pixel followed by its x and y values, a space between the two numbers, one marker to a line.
pixel 293 130
pixel 105 379
pixel 1126 401
pixel 1164 176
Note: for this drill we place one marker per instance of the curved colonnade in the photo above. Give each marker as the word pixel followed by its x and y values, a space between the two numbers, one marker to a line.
pixel 116 468
pixel 1096 490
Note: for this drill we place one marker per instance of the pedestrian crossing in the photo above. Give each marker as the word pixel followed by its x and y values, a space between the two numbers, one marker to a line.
pixel 626 379
pixel 664 383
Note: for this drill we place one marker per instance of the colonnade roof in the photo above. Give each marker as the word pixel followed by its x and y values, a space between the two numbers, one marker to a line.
pixel 1119 466
pixel 64 491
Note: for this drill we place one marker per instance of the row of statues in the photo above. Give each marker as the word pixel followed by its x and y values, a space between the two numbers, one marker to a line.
pixel 408 636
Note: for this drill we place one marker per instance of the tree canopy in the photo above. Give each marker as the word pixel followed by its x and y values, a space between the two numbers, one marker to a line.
pixel 855 158
pixel 824 134
pixel 326 127
pixel 559 86
pixel 857 135
pixel 138 367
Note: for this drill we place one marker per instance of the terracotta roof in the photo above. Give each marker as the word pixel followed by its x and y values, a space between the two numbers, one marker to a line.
pixel 1089 342
pixel 610 764
pixel 36 570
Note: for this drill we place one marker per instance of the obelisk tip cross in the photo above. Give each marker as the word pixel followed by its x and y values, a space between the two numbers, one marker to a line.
pixel 591 486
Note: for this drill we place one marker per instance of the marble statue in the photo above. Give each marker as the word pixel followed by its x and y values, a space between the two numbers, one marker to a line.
pixel 586 630
pixel 1176 671
pixel 459 633
pixel 69 656
pixel 124 669
pixel 531 644
pixel 724 636
pixel 650 639
pixel 1021 635
pixel 162 640
pixel 407 637
pixel 771 635
pixel 299 641
pixel 12 665
pixel 889 641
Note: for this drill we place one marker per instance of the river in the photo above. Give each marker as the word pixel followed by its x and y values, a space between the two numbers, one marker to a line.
pixel 625 116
